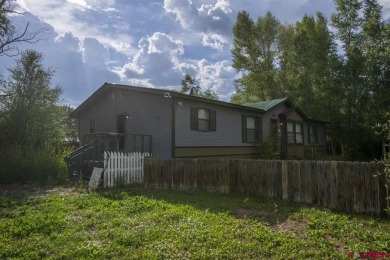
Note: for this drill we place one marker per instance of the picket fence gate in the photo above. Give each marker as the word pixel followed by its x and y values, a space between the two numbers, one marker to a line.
pixel 123 168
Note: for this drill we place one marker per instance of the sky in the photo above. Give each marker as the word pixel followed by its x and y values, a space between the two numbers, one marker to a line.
pixel 146 43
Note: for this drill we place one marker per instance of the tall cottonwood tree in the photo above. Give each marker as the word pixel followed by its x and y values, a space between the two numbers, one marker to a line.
pixel 31 116
pixel 254 53
pixel 365 72
pixel 376 49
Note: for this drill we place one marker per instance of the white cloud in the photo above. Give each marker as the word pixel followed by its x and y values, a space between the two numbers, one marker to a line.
pixel 213 21
pixel 217 76
pixel 156 63
pixel 94 53
pixel 84 18
pixel 214 41
pixel 81 3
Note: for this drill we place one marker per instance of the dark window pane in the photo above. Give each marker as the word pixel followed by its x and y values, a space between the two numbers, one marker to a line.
pixel 203 125
pixel 147 144
pixel 290 138
pixel 251 135
pixel 138 143
pixel 290 127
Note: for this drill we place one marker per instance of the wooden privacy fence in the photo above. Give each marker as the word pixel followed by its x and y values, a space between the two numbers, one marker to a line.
pixel 123 168
pixel 357 187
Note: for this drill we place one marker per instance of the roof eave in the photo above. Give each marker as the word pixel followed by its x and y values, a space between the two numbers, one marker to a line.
pixel 76 113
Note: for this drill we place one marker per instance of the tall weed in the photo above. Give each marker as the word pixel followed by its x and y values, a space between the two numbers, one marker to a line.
pixel 21 165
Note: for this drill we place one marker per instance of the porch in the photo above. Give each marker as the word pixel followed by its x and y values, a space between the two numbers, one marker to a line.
pixel 91 152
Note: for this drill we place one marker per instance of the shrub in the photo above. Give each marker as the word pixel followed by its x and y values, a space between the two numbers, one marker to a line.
pixel 266 149
pixel 21 165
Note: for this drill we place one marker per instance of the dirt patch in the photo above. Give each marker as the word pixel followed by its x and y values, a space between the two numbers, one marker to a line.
pixel 291 226
pixel 24 190
pixel 263 216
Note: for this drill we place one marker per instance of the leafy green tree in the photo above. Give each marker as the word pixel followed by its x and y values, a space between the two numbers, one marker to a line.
pixel 31 116
pixel 254 54
pixel 308 59
pixel 376 49
pixel 70 124
pixel 210 94
pixel 364 73
pixel 190 86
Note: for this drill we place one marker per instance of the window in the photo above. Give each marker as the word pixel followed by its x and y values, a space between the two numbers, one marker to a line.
pixel 251 129
pixel 140 143
pixel 203 119
pixel 313 135
pixel 294 133
pixel 92 126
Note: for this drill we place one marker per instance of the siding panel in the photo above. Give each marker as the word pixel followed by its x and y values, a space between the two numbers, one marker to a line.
pixel 228 126
pixel 148 114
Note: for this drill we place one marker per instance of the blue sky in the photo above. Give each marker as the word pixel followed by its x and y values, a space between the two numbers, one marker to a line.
pixel 146 43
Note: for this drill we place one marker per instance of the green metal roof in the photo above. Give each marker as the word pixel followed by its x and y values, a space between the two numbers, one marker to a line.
pixel 265 105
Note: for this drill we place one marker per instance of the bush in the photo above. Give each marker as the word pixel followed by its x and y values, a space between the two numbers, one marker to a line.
pixel 266 149
pixel 21 165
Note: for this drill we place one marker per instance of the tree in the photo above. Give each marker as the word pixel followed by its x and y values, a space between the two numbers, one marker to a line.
pixel 70 125
pixel 254 54
pixel 10 36
pixel 31 115
pixel 376 49
pixel 307 59
pixel 190 86
pixel 365 72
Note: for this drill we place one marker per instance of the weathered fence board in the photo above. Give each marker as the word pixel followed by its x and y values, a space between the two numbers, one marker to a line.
pixel 345 186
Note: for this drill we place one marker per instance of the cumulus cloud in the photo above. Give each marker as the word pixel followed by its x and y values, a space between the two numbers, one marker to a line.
pixel 85 18
pixel 213 21
pixel 95 53
pixel 217 76
pixel 157 62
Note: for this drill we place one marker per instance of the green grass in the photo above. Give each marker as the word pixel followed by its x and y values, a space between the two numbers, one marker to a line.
pixel 155 224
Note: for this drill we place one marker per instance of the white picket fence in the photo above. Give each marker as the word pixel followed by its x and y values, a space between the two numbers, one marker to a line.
pixel 123 168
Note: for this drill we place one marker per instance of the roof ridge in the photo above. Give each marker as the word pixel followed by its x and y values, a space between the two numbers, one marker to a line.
pixel 266 104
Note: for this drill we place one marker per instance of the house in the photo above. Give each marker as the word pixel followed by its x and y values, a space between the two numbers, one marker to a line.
pixel 292 133
pixel 169 124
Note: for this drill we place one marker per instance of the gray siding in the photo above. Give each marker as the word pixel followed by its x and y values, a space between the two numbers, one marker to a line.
pixel 228 122
pixel 272 114
pixel 280 109
pixel 148 114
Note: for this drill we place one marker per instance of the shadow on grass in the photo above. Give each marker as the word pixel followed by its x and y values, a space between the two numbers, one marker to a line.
pixel 269 211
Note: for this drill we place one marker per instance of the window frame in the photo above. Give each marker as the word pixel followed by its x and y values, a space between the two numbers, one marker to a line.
pixel 196 121
pixel 294 132
pixel 315 134
pixel 257 130
pixel 133 144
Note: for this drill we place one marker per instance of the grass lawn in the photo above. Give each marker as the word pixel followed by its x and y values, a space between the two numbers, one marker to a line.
pixel 135 222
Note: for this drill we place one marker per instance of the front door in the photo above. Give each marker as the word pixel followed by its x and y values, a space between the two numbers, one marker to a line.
pixel 121 130
pixel 274 134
